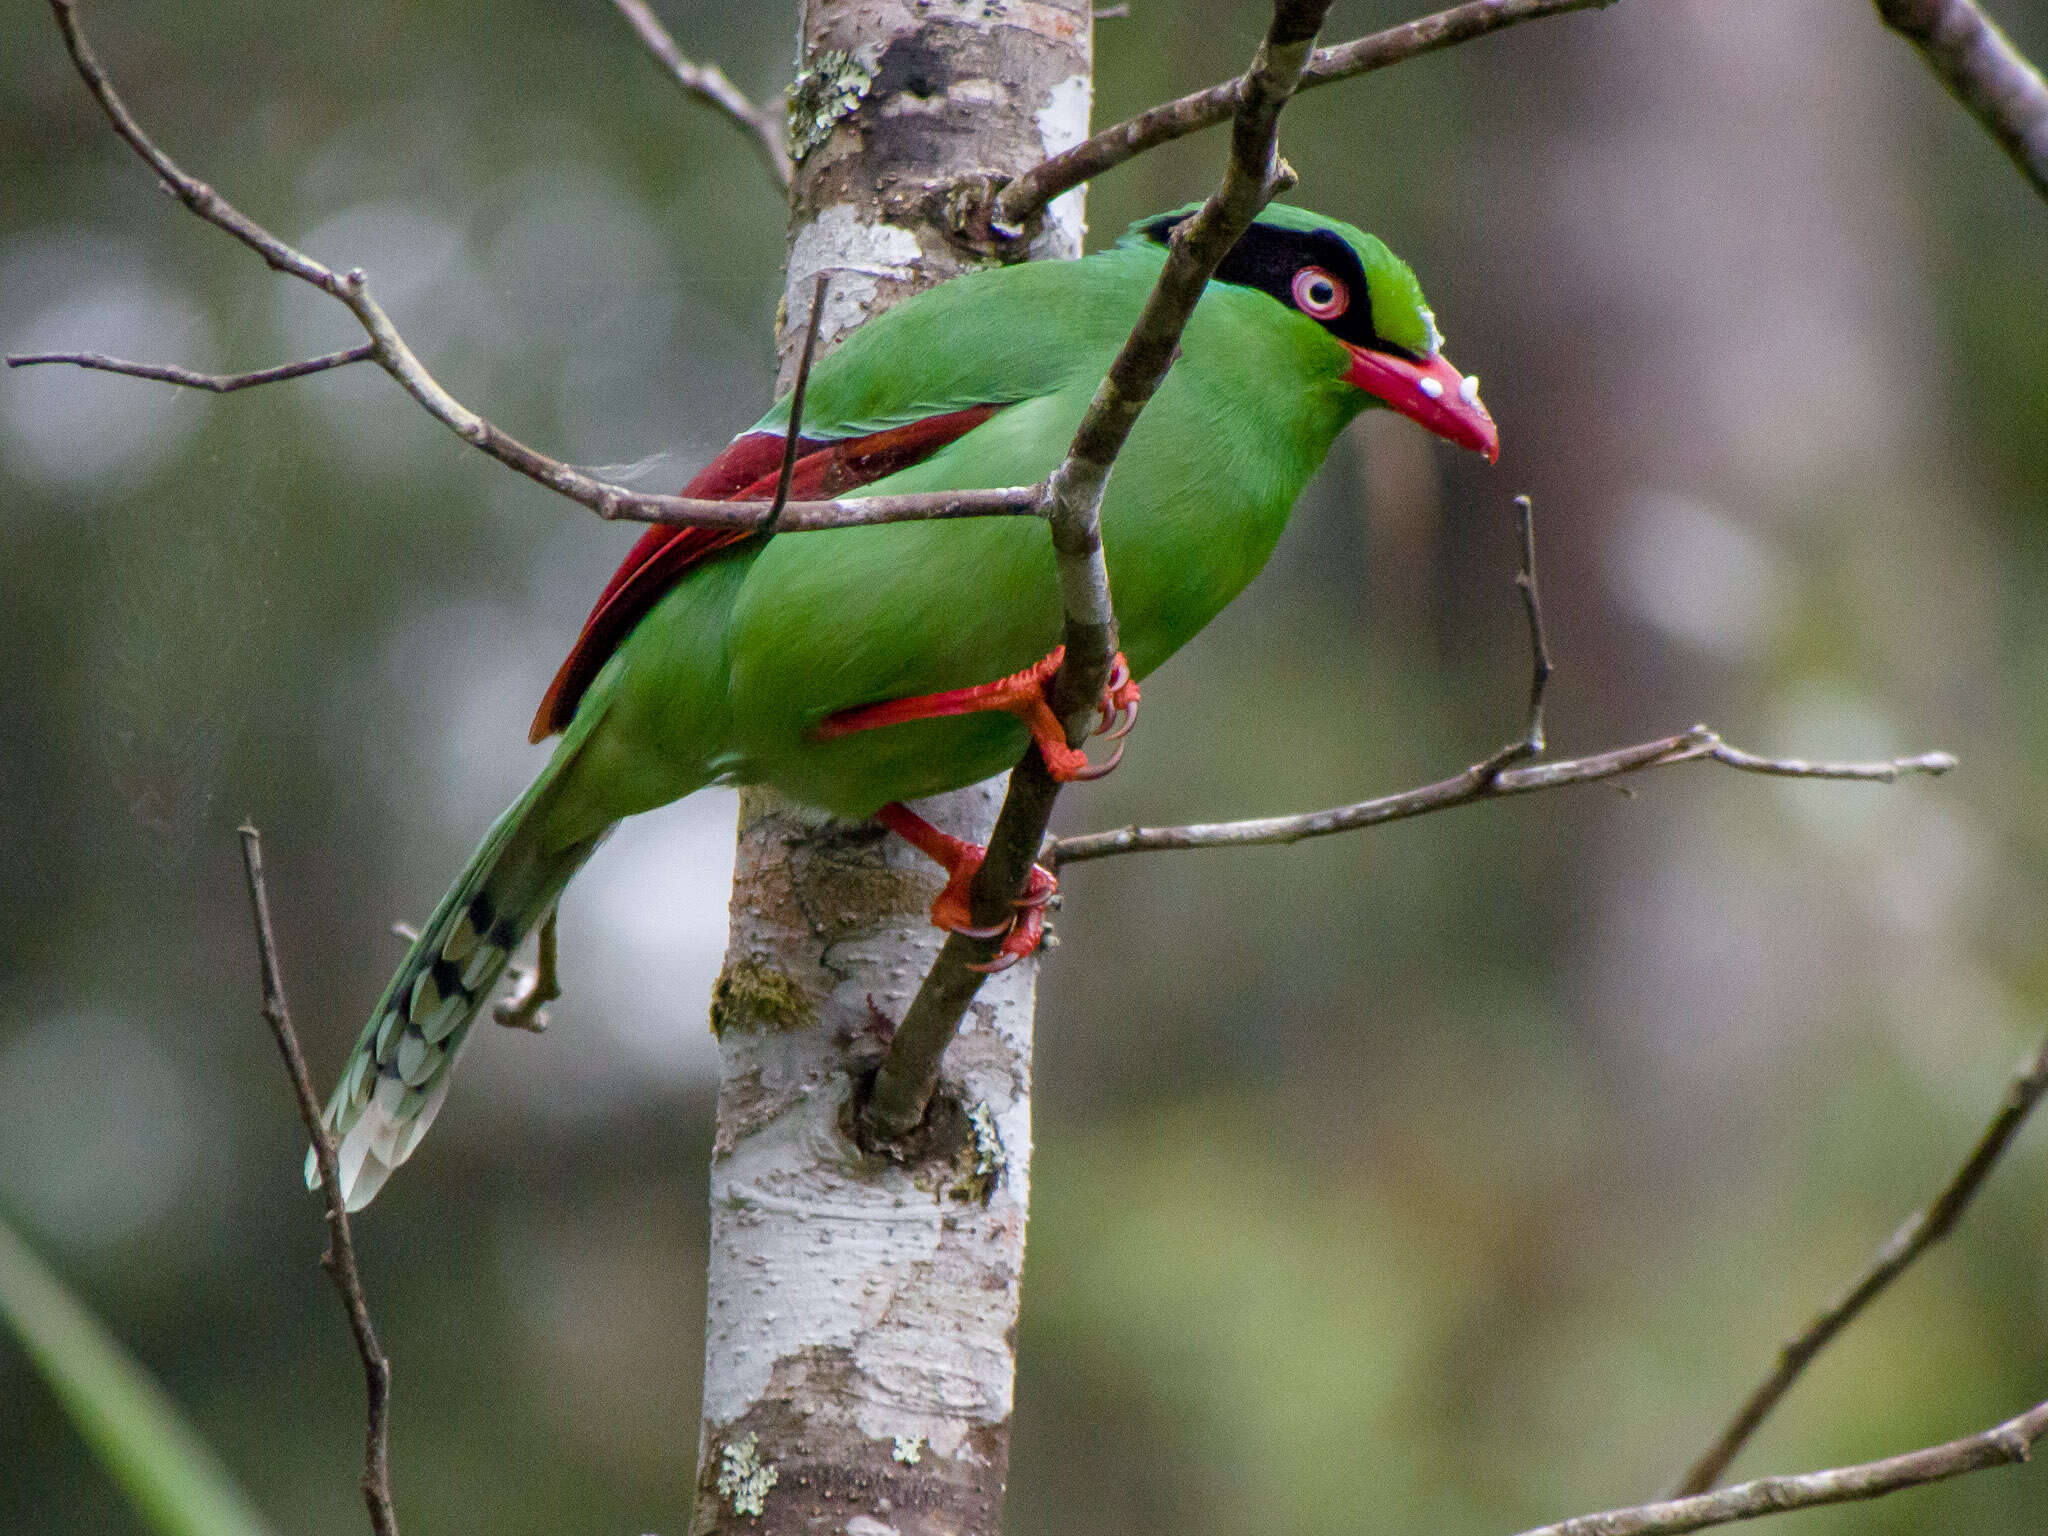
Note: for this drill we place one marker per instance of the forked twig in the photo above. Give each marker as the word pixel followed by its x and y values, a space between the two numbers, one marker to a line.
pixel 340 1258
pixel 1919 1232
pixel 389 351
pixel 1999 1446
pixel 1482 781
pixel 708 84
pixel 1188 114
pixel 1492 778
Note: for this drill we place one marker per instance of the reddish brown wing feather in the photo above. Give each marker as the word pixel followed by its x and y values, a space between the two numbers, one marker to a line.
pixel 746 471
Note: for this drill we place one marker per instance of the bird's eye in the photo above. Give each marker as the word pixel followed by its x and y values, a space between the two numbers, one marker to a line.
pixel 1320 295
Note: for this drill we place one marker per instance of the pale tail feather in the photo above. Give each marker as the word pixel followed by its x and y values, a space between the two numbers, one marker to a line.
pixel 397 1076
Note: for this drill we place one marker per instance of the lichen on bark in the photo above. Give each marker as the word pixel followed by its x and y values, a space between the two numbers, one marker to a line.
pixel 751 994
pixel 829 87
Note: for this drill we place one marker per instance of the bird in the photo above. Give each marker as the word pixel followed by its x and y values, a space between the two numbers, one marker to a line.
pixel 855 669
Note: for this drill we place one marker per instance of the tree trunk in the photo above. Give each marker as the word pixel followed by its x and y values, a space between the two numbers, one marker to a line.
pixel 861 1315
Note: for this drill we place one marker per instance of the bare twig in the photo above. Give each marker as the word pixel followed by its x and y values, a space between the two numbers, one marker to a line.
pixel 792 440
pixel 1886 771
pixel 1530 742
pixel 1919 1232
pixel 2001 1445
pixel 193 193
pixel 527 1006
pixel 340 1258
pixel 218 383
pixel 1205 109
pixel 709 85
pixel 1540 667
pixel 1982 70
pixel 1252 176
pixel 797 516
pixel 1492 778
pixel 389 351
pixel 1482 781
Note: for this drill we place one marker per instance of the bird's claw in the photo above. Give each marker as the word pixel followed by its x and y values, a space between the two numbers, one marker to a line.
pixel 1020 932
pixel 1038 893
pixel 1119 708
pixel 992 931
pixel 1006 957
pixel 1026 933
pixel 1115 716
pixel 1090 771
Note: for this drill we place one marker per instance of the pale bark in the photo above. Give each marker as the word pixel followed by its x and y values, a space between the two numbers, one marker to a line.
pixel 860 1343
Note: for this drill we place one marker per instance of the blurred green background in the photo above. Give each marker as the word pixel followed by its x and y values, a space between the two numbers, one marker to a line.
pixel 1448 1178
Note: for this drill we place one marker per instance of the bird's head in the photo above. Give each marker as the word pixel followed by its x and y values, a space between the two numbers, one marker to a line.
pixel 1365 297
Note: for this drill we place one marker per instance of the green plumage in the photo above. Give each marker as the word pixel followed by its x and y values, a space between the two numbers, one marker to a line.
pixel 726 676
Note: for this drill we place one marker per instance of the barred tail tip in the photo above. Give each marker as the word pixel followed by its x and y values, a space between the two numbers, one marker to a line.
pixel 398 1074
pixel 383 1135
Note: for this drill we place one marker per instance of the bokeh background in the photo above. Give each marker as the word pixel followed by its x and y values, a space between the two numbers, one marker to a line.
pixel 1447 1178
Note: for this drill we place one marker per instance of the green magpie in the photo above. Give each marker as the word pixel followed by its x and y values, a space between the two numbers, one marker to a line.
pixel 855 669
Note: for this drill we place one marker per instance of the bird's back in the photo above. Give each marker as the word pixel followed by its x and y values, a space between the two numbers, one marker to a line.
pixel 823 622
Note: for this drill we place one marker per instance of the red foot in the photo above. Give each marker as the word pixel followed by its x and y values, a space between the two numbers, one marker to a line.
pixel 1021 933
pixel 1021 694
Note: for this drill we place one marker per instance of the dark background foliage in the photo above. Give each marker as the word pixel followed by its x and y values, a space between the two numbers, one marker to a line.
pixel 1448 1178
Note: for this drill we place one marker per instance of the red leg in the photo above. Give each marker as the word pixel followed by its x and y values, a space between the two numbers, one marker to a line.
pixel 1021 694
pixel 960 859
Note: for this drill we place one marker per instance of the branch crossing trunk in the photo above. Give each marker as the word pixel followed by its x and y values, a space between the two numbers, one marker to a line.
pixel 860 1345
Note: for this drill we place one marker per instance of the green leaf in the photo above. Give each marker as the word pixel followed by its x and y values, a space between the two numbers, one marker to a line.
pixel 170 1473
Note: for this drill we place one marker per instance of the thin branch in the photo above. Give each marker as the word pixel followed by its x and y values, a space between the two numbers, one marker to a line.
pixel 1111 147
pixel 218 383
pixel 797 516
pixel 1492 778
pixel 708 84
pixel 1999 1446
pixel 340 1258
pixel 1919 1232
pixel 1887 771
pixel 1252 176
pixel 1482 781
pixel 1540 668
pixel 389 351
pixel 792 440
pixel 1530 743
pixel 1982 70
pixel 193 193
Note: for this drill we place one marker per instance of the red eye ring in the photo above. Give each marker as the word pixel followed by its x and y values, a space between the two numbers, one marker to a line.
pixel 1320 295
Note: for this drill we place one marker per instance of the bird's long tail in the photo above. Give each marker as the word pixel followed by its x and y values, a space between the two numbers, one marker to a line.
pixel 398 1073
